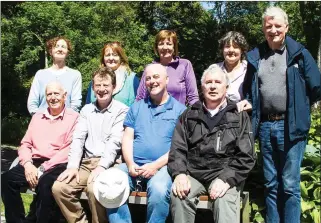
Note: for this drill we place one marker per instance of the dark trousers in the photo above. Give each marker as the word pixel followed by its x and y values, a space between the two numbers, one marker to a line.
pixel 43 209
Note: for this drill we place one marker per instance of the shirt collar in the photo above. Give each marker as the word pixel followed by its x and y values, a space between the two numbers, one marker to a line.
pixel 168 104
pixel 51 117
pixel 109 107
pixel 216 110
pixel 173 63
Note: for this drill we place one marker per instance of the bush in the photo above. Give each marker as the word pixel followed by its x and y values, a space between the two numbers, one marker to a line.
pixel 13 128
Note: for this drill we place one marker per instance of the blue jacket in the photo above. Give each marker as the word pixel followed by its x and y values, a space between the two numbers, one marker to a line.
pixel 303 86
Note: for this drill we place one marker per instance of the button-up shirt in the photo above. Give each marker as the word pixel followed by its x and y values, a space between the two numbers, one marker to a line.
pixel 98 134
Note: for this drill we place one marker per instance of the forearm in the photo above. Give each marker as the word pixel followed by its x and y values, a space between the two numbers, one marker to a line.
pixel 127 151
pixel 161 161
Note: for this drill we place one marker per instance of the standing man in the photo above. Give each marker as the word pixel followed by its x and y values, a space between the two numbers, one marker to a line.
pixel 43 155
pixel 281 84
pixel 96 142
pixel 149 127
pixel 212 152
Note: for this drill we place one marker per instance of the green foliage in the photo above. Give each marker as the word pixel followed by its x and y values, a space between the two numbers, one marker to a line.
pixel 26 199
pixel 13 128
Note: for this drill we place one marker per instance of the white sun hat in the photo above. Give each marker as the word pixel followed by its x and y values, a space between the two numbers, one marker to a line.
pixel 111 188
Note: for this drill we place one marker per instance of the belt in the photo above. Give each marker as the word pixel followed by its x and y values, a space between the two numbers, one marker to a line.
pixel 273 117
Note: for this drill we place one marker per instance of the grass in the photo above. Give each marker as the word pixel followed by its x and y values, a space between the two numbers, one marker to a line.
pixel 26 198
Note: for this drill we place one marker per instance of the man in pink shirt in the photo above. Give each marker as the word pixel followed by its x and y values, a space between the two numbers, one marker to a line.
pixel 43 155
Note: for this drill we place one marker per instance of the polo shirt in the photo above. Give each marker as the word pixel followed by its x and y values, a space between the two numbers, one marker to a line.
pixel 153 128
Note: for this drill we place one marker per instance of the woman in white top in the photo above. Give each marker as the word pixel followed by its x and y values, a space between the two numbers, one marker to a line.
pixel 59 49
pixel 233 46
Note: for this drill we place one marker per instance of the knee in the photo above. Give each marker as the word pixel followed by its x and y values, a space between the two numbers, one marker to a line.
pixel 58 188
pixel 291 185
pixel 158 192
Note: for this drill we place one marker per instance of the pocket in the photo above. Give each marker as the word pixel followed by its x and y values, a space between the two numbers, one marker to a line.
pixel 218 144
pixel 165 127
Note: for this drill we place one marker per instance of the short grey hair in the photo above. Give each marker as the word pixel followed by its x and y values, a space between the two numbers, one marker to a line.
pixel 274 11
pixel 57 83
pixel 213 69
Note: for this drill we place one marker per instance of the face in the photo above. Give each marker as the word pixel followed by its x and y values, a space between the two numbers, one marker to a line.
pixel 55 97
pixel 214 87
pixel 232 53
pixel 274 30
pixel 60 50
pixel 111 59
pixel 165 48
pixel 156 80
pixel 103 89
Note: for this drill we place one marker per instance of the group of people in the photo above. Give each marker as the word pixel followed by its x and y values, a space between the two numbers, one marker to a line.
pixel 155 134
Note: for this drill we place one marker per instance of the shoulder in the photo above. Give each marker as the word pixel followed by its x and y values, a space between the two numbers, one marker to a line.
pixel 119 105
pixel 183 61
pixel 71 113
pixel 74 72
pixel 179 107
pixel 88 108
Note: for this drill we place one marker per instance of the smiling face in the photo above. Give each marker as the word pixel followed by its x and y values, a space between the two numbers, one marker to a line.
pixel 156 80
pixel 275 29
pixel 214 87
pixel 55 97
pixel 103 89
pixel 60 50
pixel 232 53
pixel 111 59
pixel 165 48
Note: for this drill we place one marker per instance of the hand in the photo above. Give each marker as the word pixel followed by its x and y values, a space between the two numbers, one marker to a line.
pixel 94 174
pixel 243 105
pixel 31 174
pixel 218 189
pixel 147 170
pixel 181 186
pixel 68 175
pixel 133 170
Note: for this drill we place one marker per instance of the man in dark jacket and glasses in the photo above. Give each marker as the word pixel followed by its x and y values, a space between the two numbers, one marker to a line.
pixel 212 152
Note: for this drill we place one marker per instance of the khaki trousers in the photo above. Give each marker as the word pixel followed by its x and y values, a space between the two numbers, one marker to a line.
pixel 67 196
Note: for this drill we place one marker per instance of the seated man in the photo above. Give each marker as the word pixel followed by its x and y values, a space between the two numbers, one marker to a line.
pixel 97 137
pixel 149 126
pixel 212 152
pixel 42 157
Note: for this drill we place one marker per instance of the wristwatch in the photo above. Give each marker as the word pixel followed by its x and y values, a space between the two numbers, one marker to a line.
pixel 41 169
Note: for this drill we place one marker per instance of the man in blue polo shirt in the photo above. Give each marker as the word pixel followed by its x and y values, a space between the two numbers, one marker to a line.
pixel 149 127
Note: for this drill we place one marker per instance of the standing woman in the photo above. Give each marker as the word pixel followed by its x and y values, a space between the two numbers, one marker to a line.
pixel 233 46
pixel 58 48
pixel 114 57
pixel 182 82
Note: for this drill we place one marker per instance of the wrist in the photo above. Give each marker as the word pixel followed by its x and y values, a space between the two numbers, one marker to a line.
pixel 28 162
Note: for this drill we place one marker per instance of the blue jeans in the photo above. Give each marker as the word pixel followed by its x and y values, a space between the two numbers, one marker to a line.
pixel 158 198
pixel 281 167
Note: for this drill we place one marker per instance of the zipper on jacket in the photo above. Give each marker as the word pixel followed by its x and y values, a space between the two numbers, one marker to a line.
pixel 218 141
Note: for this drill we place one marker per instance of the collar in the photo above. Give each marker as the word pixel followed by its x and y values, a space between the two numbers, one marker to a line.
pixel 109 107
pixel 217 109
pixel 169 104
pixel 172 64
pixel 51 117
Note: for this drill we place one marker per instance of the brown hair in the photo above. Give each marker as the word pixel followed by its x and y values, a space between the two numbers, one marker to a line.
pixel 116 47
pixel 236 38
pixel 104 72
pixel 166 34
pixel 52 43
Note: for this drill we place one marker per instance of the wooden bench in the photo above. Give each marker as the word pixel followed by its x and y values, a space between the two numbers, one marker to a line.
pixel 203 203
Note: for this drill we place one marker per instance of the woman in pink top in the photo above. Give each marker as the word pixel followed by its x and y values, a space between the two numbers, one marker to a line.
pixel 182 82
pixel 233 46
